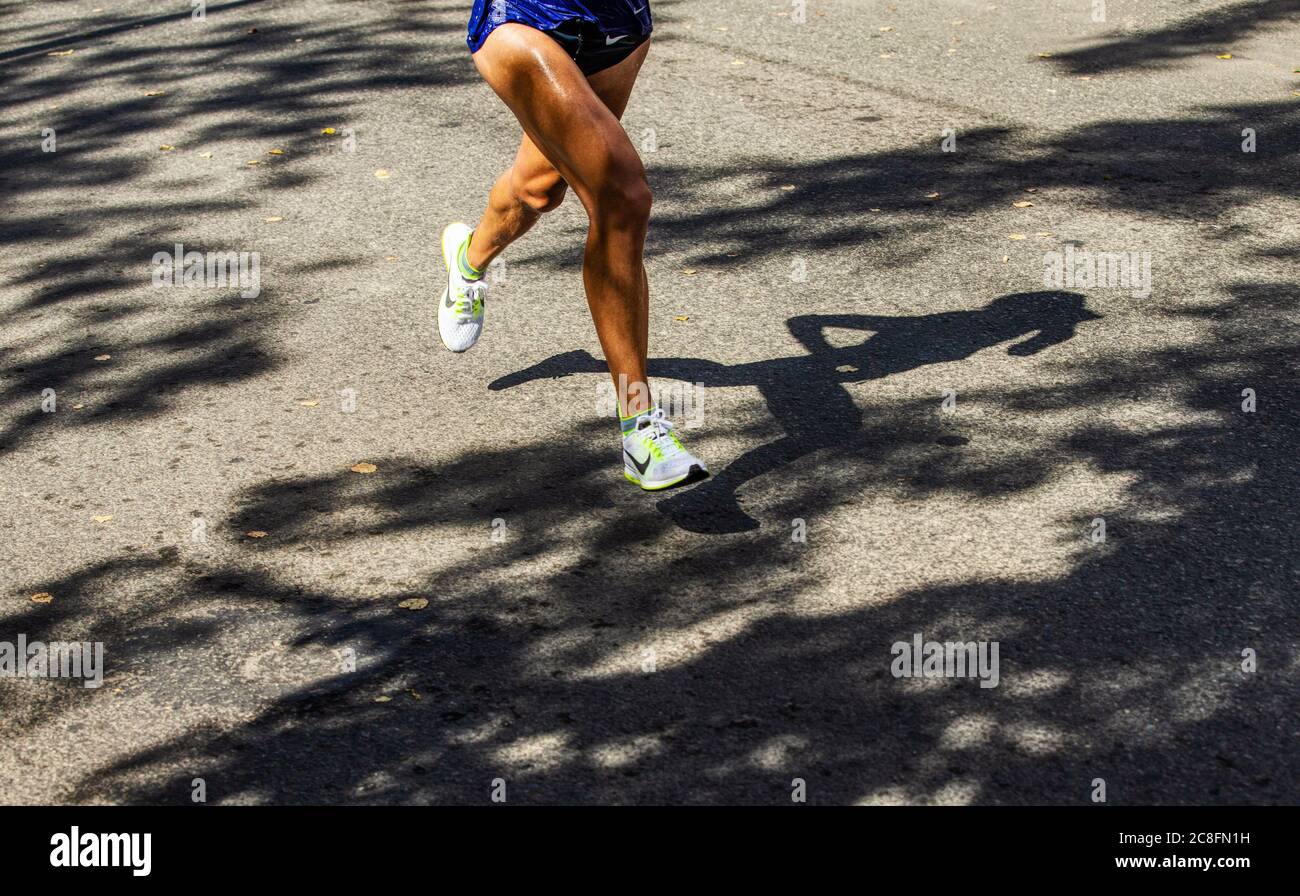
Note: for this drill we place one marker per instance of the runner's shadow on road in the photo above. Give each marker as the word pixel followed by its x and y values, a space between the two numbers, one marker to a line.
pixel 807 395
pixel 527 662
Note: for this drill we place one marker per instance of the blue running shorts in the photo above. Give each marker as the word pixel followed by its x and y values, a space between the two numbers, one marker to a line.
pixel 595 33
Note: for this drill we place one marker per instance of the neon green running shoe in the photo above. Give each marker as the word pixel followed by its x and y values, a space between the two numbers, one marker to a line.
pixel 654 458
pixel 460 312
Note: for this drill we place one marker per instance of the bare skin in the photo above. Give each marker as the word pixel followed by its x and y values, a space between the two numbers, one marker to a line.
pixel 572 138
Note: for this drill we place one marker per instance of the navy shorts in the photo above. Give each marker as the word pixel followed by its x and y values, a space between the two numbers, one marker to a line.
pixel 595 33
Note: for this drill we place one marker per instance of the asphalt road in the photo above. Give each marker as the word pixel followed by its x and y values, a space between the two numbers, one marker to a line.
pixel 824 271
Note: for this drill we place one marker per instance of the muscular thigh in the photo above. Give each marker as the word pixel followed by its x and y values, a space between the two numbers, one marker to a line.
pixel 562 130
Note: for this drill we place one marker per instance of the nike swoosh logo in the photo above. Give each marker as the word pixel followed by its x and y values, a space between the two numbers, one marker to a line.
pixel 640 465
pixel 613 39
pixel 635 11
pixel 450 303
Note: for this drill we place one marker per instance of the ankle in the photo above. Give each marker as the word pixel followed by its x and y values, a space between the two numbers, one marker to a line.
pixel 464 260
pixel 628 423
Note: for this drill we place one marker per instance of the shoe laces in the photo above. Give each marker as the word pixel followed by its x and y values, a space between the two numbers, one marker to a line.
pixel 469 300
pixel 657 429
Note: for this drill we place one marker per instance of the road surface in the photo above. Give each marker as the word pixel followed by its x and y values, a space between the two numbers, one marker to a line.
pixel 915 431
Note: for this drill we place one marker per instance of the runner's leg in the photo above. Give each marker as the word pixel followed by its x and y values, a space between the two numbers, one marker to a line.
pixel 531 186
pixel 527 189
pixel 578 133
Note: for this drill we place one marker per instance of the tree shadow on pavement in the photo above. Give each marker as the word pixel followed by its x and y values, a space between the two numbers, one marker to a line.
pixel 603 654
pixel 1200 33
pixel 581 664
pixel 89 215
pixel 1173 168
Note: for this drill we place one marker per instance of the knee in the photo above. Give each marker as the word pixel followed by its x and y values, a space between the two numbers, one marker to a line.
pixel 624 197
pixel 541 192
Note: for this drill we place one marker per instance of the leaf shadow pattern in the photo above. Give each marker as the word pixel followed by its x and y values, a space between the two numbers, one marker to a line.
pixel 93 267
pixel 530 662
pixel 531 659
pixel 1199 33
pixel 1173 168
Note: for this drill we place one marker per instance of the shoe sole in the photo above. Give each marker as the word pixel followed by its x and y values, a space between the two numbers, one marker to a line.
pixel 447 262
pixel 694 474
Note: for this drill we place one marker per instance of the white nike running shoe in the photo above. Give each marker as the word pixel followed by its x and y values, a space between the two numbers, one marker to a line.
pixel 654 458
pixel 460 313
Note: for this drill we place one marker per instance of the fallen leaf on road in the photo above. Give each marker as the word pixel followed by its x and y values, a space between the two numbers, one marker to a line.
pixel 274 219
pixel 383 698
pixel 1024 203
pixel 42 597
pixel 61 53
pixel 256 533
pixel 363 467
pixel 103 518
pixel 414 603
pixel 1044 55
pixel 102 357
pixel 887 28
pixel 1006 258
pixel 682 317
pixel 155 93
pixel 931 195
pixel 688 271
pixel 309 402
pixel 166 147
pixel 382 173
pixel 737 62
pixel 1016 236
pixel 205 155
pixel 1031 189
pixel 1224 56
pixel 254 161
pixel 275 152
pixel 328 131
pixel 787 187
